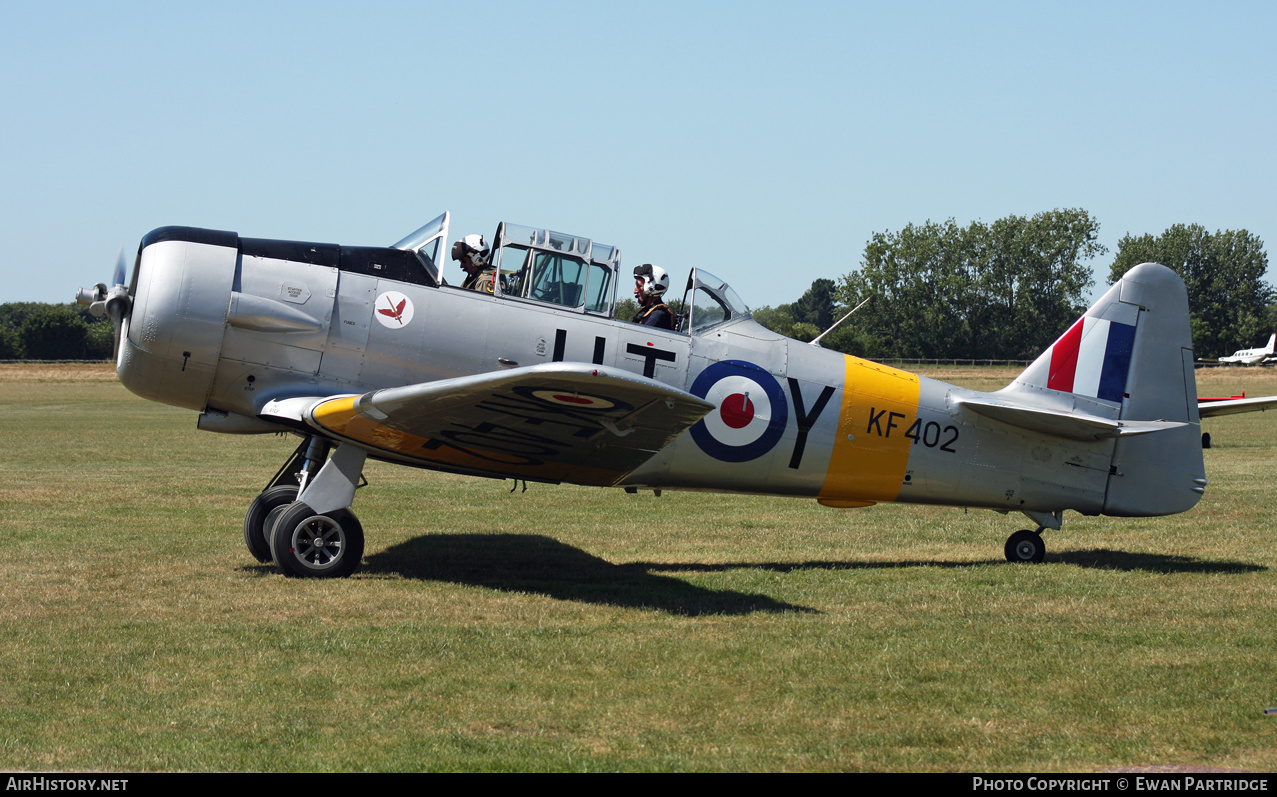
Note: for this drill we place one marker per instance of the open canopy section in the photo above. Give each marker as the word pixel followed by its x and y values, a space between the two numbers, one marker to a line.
pixel 427 242
pixel 710 302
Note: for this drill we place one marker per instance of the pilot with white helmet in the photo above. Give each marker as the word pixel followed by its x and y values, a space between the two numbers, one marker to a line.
pixel 650 284
pixel 472 253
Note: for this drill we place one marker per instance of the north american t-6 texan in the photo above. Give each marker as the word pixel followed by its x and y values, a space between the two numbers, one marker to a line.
pixel 370 352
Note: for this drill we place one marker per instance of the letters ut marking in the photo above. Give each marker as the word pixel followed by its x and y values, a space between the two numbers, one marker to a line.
pixel 561 342
pixel 804 418
pixel 650 356
pixel 600 348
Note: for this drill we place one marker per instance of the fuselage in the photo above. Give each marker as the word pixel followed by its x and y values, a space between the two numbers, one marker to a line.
pixel 224 325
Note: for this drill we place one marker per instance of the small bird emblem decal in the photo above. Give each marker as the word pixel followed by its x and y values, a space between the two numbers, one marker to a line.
pixel 395 311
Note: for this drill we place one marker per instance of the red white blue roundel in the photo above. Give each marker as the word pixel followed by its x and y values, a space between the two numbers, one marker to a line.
pixel 576 400
pixel 751 411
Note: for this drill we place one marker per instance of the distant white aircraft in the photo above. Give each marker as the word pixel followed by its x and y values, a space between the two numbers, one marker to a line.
pixel 1252 356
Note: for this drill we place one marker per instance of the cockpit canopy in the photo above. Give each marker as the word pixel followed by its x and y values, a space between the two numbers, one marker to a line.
pixel 556 268
pixel 427 242
pixel 709 302
pixel 573 273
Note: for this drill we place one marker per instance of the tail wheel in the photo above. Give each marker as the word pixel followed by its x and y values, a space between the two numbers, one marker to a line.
pixel 257 521
pixel 306 544
pixel 1025 546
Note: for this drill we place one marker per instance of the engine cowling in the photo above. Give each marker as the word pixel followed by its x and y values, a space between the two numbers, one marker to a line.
pixel 171 340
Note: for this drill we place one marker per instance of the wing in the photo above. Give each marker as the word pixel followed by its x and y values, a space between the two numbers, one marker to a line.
pixel 570 422
pixel 1209 409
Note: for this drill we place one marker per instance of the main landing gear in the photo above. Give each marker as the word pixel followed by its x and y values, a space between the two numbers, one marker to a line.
pixel 302 520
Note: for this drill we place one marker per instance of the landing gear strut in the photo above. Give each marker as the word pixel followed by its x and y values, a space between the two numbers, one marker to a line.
pixel 282 490
pixel 302 520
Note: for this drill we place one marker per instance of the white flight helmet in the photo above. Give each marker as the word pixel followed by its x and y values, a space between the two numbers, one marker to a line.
pixel 472 245
pixel 655 280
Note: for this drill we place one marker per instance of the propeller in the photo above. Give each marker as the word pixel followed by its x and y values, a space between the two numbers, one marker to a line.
pixel 114 301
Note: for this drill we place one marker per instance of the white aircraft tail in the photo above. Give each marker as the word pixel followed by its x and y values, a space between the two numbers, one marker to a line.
pixel 1272 339
pixel 1129 359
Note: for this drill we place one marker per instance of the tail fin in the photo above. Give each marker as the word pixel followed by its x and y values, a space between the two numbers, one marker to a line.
pixel 1271 340
pixel 1130 359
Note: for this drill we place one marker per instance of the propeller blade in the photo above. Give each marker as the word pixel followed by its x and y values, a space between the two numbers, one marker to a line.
pixel 120 269
pixel 118 323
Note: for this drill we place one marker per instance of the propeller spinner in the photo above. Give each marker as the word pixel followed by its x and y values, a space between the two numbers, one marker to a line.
pixel 114 301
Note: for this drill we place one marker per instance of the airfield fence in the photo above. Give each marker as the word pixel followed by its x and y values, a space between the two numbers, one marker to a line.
pixel 948 361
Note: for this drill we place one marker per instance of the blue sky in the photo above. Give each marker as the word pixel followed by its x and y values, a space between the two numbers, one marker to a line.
pixel 765 142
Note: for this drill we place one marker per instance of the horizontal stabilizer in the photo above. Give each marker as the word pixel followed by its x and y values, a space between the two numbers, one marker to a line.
pixel 1208 409
pixel 1072 425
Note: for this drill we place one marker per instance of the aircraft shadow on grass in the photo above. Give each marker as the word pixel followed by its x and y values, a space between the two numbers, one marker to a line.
pixel 1096 558
pixel 1106 559
pixel 543 565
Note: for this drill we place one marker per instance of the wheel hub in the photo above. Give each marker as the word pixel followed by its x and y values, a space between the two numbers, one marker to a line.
pixel 319 546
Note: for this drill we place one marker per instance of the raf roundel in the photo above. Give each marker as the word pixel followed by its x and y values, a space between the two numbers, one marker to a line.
pixel 751 411
pixel 393 310
pixel 569 398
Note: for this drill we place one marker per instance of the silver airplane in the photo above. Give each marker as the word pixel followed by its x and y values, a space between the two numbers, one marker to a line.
pixel 369 352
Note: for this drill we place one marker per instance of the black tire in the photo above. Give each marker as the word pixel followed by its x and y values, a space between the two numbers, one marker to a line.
pixel 1025 547
pixel 310 545
pixel 256 525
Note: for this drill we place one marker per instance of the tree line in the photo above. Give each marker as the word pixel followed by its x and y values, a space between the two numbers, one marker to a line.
pixel 1002 291
pixel 40 331
pixel 1006 290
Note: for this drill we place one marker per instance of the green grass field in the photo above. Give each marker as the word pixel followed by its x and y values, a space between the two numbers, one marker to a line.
pixel 572 628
